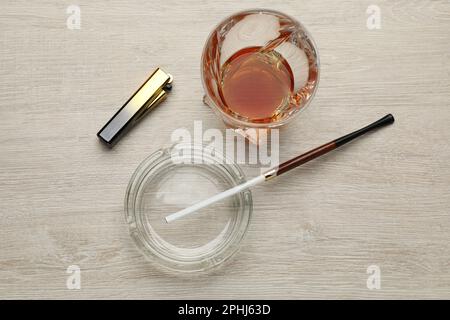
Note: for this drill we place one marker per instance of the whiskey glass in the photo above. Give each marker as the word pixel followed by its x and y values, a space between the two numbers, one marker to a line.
pixel 259 69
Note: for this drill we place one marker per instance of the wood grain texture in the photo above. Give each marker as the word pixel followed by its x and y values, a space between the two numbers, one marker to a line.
pixel 314 232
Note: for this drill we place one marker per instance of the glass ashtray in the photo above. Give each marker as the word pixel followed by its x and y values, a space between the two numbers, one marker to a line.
pixel 172 179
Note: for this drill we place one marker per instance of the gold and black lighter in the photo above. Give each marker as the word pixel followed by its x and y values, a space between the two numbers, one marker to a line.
pixel 152 92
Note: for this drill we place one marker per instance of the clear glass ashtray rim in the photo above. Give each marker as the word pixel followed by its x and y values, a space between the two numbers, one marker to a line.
pixel 169 261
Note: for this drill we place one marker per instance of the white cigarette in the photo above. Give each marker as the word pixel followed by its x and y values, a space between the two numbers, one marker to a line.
pixel 214 199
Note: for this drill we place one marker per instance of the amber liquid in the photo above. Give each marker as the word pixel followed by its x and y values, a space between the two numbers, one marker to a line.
pixel 256 85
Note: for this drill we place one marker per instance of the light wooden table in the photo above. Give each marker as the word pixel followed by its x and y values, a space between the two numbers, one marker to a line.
pixel 384 200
